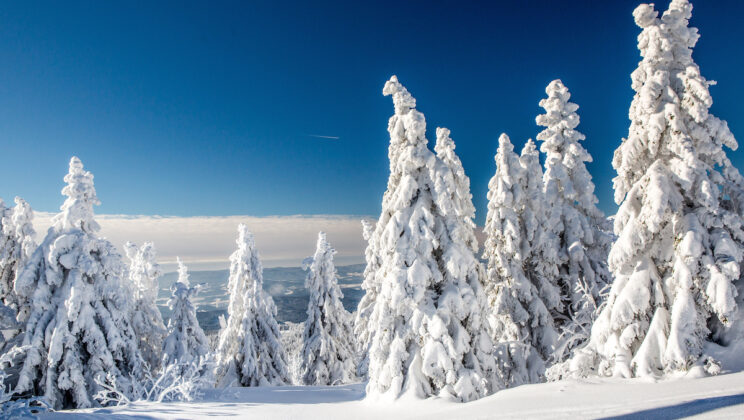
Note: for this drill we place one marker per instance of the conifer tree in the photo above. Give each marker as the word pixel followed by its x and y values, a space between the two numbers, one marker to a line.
pixel 679 227
pixel 77 327
pixel 250 350
pixel 541 252
pixel 428 325
pixel 574 219
pixel 521 323
pixel 147 320
pixel 460 193
pixel 370 285
pixel 16 245
pixel 186 342
pixel 327 356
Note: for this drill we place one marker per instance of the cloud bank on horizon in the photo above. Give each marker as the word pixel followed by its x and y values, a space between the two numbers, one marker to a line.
pixel 205 242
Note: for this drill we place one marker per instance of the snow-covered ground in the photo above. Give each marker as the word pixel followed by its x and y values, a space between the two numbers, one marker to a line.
pixel 713 397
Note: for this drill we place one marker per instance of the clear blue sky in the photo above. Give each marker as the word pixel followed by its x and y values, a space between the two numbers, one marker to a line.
pixel 206 108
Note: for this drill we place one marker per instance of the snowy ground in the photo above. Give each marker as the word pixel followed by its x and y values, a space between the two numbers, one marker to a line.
pixel 715 397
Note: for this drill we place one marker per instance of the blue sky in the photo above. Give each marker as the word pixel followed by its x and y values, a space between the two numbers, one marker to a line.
pixel 209 108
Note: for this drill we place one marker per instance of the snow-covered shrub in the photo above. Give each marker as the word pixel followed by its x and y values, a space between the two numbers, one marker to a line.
pixel 12 406
pixel 679 232
pixel 328 350
pixel 573 218
pixel 576 333
pixel 250 351
pixel 521 324
pixel 78 327
pixel 186 342
pixel 178 381
pixel 427 331
pixel 147 321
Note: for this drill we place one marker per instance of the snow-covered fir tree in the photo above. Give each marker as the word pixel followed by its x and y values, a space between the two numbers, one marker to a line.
pixel 573 218
pixel 428 327
pixel 460 193
pixel 16 246
pixel 370 285
pixel 521 323
pixel 541 254
pixel 7 275
pixel 78 326
pixel 147 321
pixel 186 342
pixel 679 227
pixel 328 351
pixel 250 350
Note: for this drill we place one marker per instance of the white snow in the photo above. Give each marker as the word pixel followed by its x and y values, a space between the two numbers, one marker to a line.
pixel 718 397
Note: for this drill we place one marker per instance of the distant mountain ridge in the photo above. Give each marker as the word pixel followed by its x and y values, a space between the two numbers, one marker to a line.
pixel 286 285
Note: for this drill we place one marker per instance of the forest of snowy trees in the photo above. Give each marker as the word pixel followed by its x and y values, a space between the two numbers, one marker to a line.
pixel 558 289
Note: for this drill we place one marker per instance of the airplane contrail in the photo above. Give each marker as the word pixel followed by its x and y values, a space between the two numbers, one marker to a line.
pixel 318 136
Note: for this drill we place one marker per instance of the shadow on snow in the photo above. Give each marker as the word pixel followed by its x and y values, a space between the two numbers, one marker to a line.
pixel 686 409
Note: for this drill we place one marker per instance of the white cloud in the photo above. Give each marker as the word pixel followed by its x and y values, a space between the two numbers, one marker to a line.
pixel 206 242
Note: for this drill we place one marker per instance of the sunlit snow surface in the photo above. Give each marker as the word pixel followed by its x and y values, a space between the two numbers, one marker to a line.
pixel 714 397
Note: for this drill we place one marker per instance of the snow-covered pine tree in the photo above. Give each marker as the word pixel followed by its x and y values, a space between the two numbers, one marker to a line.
pixel 460 194
pixel 16 246
pixel 428 326
pixel 8 265
pixel 328 352
pixel 186 343
pixel 147 321
pixel 250 350
pixel 521 323
pixel 370 285
pixel 580 227
pixel 679 226
pixel 78 328
pixel 541 255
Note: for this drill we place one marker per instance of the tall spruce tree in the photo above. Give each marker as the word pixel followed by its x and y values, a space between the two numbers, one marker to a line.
pixel 186 342
pixel 521 323
pixel 428 325
pixel 370 285
pixel 16 246
pixel 78 326
pixel 679 226
pixel 460 191
pixel 147 321
pixel 250 350
pixel 328 351
pixel 580 227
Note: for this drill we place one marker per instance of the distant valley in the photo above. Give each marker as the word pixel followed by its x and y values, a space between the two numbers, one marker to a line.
pixel 285 284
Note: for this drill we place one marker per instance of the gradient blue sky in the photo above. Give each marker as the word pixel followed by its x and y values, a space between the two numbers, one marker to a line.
pixel 207 108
